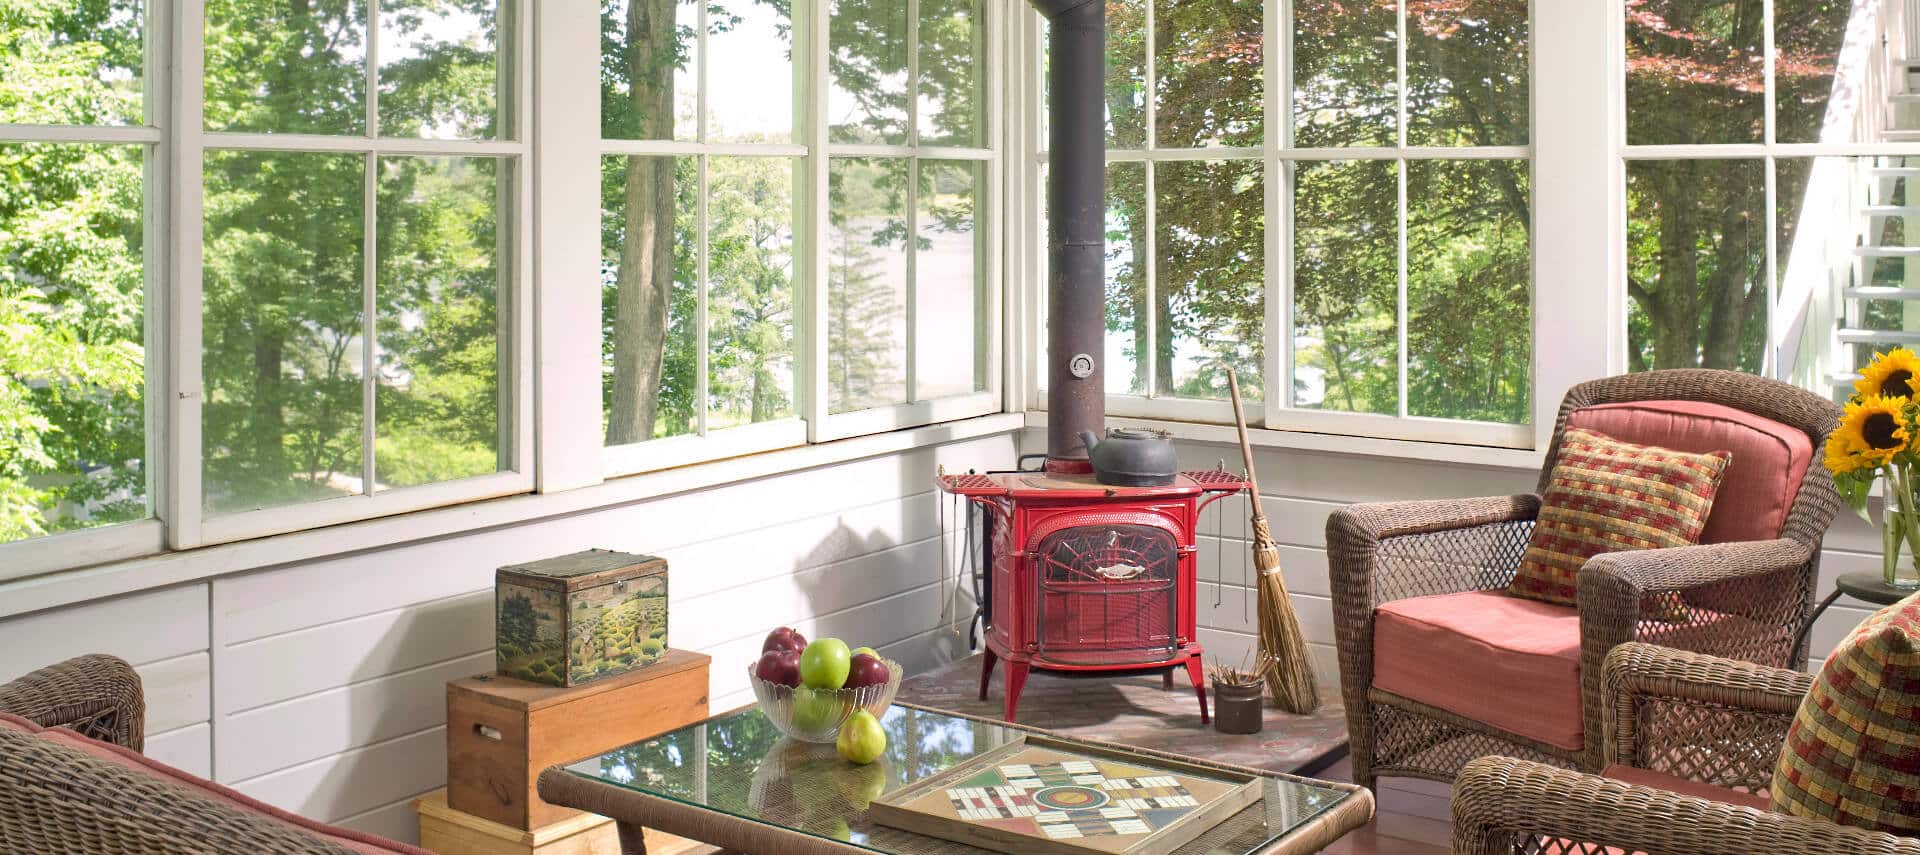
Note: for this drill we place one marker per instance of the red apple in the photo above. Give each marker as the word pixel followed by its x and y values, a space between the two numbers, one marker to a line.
pixel 867 670
pixel 779 666
pixel 784 638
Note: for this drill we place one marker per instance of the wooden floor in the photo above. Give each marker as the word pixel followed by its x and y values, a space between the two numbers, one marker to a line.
pixel 1410 817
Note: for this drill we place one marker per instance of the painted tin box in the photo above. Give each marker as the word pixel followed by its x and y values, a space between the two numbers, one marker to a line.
pixel 579 618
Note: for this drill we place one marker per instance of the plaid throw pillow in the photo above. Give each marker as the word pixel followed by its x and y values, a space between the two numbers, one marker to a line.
pixel 1611 496
pixel 1853 752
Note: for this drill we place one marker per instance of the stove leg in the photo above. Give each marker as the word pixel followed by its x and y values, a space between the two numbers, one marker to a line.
pixel 986 672
pixel 1016 680
pixel 1197 675
pixel 1166 679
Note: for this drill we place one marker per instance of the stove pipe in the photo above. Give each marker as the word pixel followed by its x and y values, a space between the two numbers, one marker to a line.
pixel 1076 228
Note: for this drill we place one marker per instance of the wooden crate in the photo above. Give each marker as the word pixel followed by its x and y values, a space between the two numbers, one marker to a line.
pixel 502 732
pixel 451 832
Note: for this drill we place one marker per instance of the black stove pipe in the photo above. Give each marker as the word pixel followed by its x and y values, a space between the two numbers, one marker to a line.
pixel 1076 227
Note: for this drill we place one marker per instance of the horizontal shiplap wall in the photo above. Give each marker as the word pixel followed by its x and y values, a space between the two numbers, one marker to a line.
pixel 330 697
pixel 162 633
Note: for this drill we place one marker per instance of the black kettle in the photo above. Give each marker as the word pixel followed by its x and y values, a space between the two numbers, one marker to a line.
pixel 1132 457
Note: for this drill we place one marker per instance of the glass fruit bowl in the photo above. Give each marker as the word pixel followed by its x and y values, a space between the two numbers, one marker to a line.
pixel 815 715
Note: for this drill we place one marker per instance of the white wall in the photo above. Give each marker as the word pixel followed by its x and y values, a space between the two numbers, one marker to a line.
pixel 320 686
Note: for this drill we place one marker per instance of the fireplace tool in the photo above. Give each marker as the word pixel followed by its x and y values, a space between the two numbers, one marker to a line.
pixel 1289 668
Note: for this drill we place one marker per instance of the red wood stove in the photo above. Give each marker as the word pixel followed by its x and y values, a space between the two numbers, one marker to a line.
pixel 1090 577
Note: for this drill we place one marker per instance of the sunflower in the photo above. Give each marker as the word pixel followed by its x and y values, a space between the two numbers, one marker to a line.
pixel 1890 374
pixel 1872 431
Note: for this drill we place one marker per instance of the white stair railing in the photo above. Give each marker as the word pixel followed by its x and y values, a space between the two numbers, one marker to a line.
pixel 1820 263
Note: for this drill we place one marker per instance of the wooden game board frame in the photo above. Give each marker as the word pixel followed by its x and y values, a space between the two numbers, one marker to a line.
pixel 890 808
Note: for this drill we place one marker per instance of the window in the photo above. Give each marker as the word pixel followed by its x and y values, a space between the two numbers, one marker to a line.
pixel 77 137
pixel 1766 215
pixel 1356 245
pixel 744 309
pixel 360 186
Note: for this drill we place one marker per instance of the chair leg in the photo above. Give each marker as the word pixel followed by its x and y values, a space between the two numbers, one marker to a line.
pixel 632 838
pixel 1198 675
pixel 986 672
pixel 1016 680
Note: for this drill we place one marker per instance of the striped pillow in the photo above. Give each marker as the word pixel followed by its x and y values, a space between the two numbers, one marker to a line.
pixel 1611 496
pixel 1853 752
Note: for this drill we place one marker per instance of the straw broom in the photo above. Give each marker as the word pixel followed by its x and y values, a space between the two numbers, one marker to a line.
pixel 1289 668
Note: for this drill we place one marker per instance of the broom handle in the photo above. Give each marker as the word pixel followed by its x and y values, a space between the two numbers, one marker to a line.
pixel 1246 448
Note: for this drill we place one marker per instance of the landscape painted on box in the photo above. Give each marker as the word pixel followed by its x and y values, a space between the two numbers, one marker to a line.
pixel 617 627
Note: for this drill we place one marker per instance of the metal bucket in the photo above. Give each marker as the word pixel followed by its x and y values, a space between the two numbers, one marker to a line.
pixel 1237 709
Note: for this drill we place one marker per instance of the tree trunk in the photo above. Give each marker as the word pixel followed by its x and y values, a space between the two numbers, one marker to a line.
pixel 1675 316
pixel 644 287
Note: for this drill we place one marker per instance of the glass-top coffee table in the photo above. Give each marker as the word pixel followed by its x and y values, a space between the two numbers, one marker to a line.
pixel 735 782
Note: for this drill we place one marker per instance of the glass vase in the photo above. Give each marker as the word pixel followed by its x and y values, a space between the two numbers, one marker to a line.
pixel 1900 527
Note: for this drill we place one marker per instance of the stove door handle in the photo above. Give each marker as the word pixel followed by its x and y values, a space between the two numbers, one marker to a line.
pixel 1119 572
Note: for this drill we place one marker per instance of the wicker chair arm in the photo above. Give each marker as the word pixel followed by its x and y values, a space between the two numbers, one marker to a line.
pixel 56 798
pixel 1501 805
pixel 1646 670
pixel 1684 567
pixel 1393 550
pixel 1366 523
pixel 97 695
pixel 1713 720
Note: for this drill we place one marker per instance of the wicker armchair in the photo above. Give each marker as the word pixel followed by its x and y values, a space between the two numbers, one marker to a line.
pixel 55 798
pixel 1386 552
pixel 1699 718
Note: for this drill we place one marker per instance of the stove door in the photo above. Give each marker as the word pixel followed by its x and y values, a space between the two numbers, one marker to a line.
pixel 1108 595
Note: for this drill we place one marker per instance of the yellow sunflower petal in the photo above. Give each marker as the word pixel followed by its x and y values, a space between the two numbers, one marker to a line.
pixel 1890 374
pixel 1872 431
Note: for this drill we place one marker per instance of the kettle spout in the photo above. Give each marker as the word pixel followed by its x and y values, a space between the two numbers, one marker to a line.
pixel 1090 439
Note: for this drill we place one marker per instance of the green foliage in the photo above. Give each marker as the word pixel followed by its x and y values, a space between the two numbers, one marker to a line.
pixel 516 623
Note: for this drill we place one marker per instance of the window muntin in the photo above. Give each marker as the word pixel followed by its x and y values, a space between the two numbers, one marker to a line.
pixel 1363 223
pixel 76 233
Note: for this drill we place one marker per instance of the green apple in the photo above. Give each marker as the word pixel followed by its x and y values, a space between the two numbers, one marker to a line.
pixel 824 664
pixel 862 740
pixel 867 650
pixel 815 711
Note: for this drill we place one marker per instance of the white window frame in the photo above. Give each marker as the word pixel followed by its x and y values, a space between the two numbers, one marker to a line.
pixel 188 523
pixel 1278 156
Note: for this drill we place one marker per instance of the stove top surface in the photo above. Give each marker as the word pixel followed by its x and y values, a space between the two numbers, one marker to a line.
pixel 1047 485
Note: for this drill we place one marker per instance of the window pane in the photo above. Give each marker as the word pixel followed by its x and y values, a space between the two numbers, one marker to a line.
pixel 1694 72
pixel 953 58
pixel 1127 347
pixel 948 290
pixel 750 72
pixel 1210 277
pixel 72 64
pixel 282 325
pixel 1469 307
pixel 866 283
pixel 649 247
pixel 440 68
pixel 649 75
pixel 1344 69
pixel 1696 254
pixel 1808 35
pixel 1126 74
pixel 1207 73
pixel 72 304
pixel 1345 287
pixel 867 98
pixel 286 67
pixel 1467 73
pixel 442 250
pixel 750 296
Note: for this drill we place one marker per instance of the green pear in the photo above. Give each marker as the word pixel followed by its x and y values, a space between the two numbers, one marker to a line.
pixel 816 710
pixel 862 739
pixel 867 650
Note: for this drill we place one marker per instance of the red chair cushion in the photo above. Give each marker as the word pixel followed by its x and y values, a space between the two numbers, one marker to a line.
pixel 1504 661
pixel 1757 488
pixel 1673 784
pixel 135 761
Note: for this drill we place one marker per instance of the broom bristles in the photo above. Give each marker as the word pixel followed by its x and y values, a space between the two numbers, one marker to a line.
pixel 1289 670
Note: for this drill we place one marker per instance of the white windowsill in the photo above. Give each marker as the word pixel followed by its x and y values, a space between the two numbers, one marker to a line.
pixel 65 587
pixel 1364 446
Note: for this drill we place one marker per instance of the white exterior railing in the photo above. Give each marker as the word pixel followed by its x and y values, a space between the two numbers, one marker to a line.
pixel 1821 263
